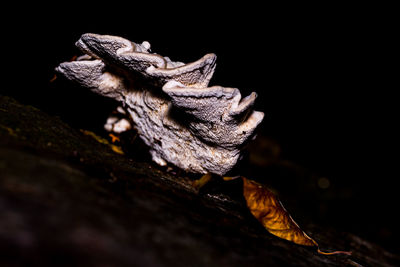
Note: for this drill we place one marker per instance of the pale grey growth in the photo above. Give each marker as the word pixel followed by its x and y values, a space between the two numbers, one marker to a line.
pixel 197 128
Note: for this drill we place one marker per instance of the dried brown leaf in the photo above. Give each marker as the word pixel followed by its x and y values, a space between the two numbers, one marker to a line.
pixel 269 211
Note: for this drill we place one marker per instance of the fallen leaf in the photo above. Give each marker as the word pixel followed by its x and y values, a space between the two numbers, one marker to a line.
pixel 269 211
pixel 101 140
pixel 114 138
pixel 202 181
pixel 54 78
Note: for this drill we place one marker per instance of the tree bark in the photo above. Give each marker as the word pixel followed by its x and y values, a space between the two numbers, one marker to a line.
pixel 66 199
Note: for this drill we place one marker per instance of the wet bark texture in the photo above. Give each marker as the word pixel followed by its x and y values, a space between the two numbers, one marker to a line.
pixel 66 199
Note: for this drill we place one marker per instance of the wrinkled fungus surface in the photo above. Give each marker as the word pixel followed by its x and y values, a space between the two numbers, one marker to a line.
pixel 198 128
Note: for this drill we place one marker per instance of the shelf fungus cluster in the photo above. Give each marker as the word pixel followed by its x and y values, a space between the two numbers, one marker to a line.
pixel 184 122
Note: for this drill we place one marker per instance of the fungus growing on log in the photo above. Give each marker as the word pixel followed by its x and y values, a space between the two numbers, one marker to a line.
pixel 184 122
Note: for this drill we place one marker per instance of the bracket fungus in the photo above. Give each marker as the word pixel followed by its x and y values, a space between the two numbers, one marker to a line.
pixel 198 128
pixel 184 122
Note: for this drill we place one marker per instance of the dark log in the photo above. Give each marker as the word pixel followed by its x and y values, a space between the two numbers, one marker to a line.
pixel 66 199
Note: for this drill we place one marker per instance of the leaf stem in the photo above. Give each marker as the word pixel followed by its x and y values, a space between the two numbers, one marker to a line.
pixel 334 252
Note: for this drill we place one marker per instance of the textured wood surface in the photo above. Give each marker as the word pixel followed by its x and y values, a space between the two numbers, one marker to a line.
pixel 66 199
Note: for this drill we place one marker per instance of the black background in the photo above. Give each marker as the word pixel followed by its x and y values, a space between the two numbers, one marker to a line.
pixel 321 72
